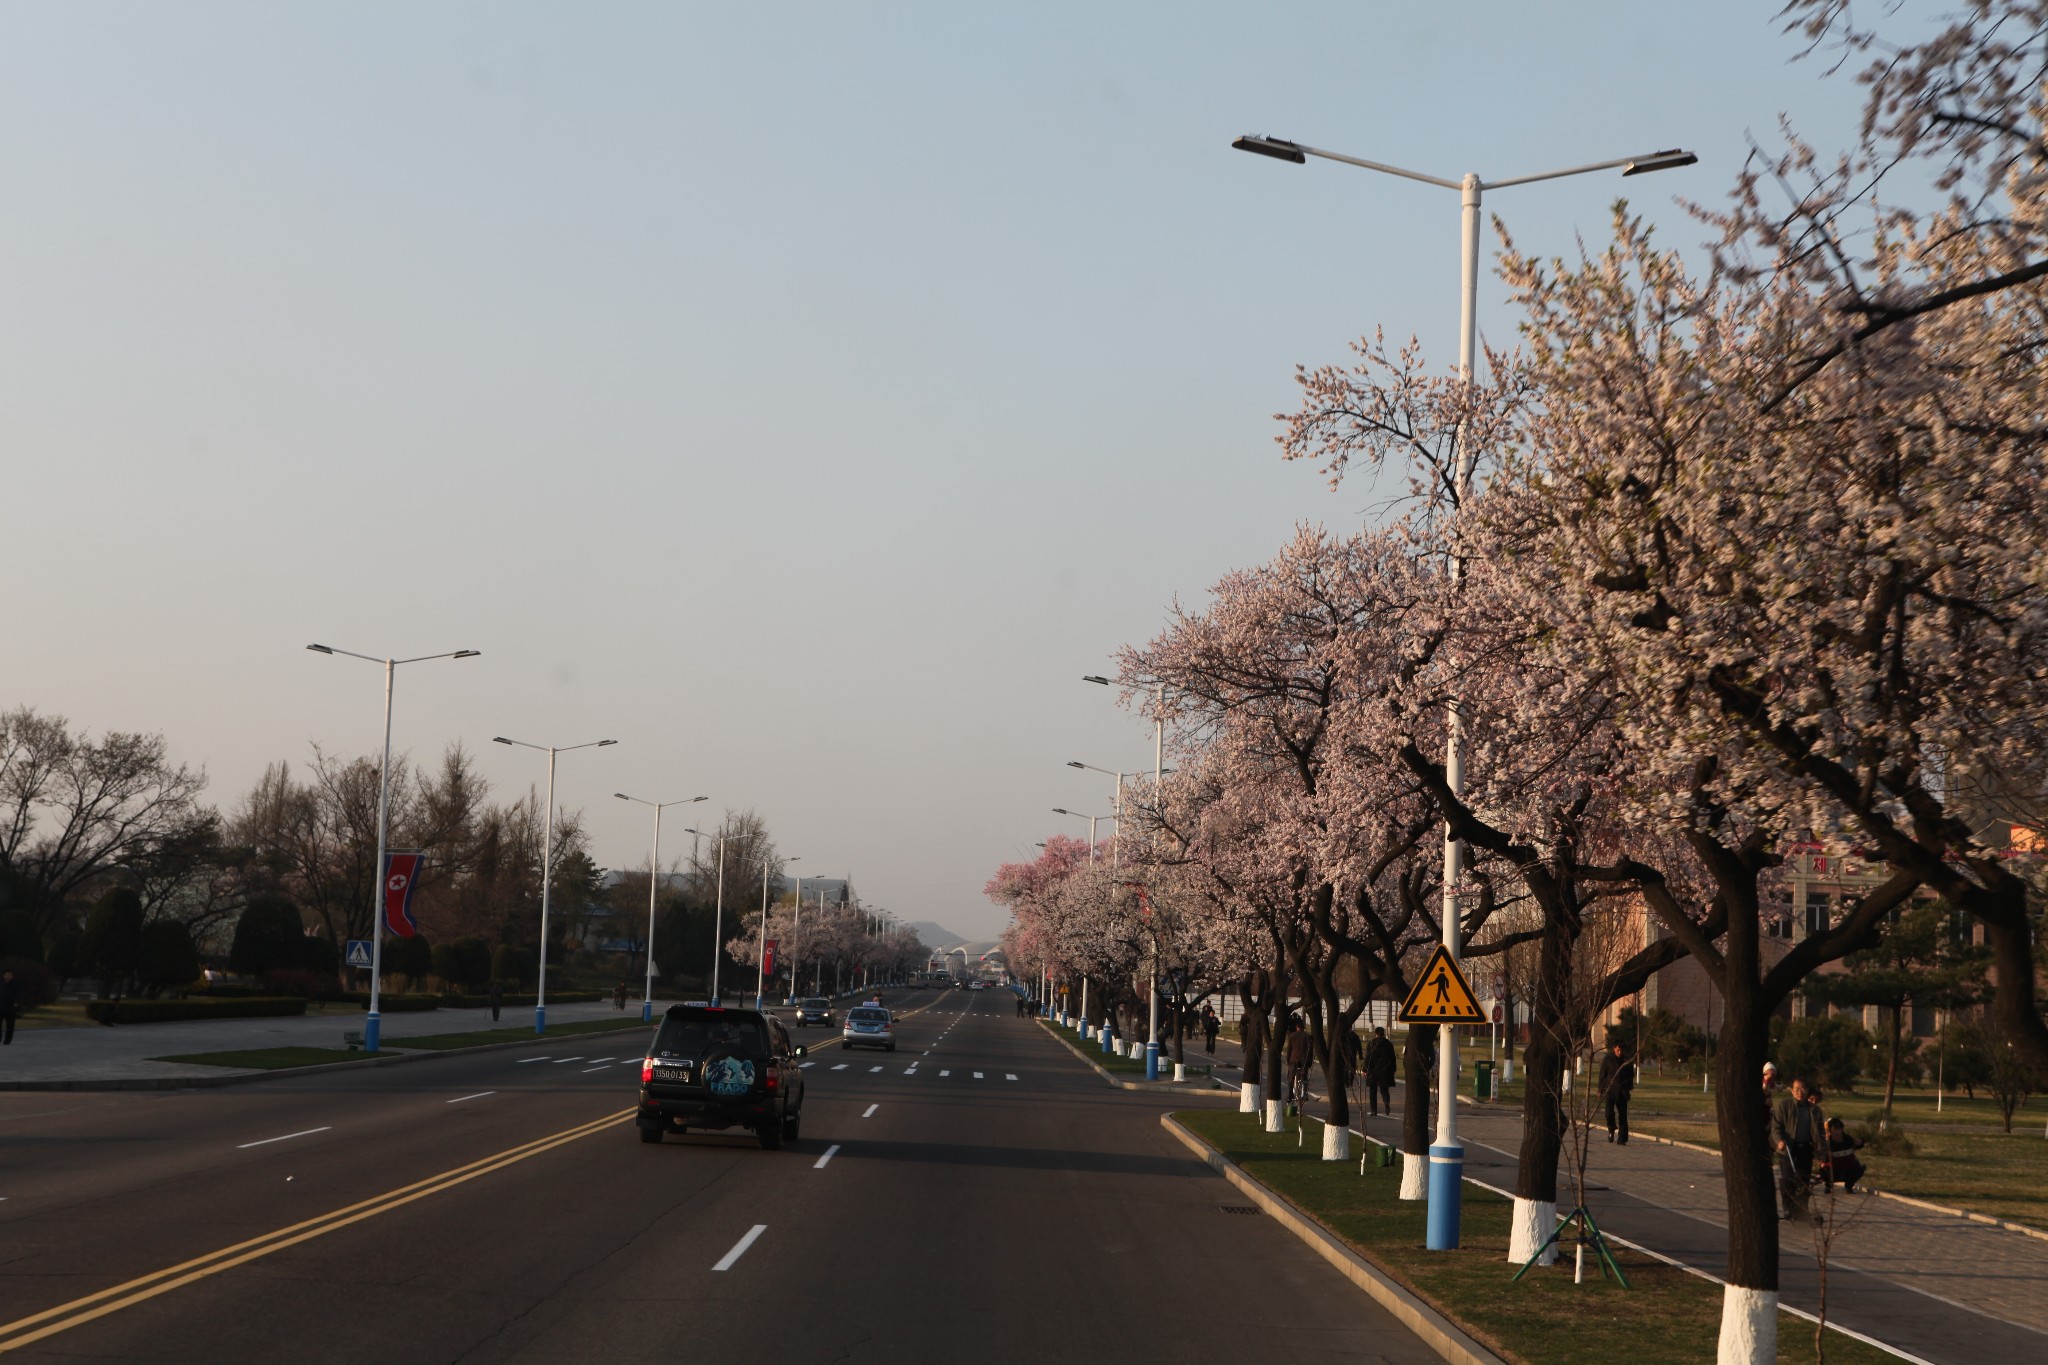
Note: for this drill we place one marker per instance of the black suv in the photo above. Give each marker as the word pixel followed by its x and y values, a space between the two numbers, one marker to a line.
pixel 721 1068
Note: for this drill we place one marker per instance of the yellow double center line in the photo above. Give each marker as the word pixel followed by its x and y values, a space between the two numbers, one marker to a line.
pixel 64 1317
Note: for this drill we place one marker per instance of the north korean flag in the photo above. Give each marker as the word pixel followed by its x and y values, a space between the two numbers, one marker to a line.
pixel 768 959
pixel 401 876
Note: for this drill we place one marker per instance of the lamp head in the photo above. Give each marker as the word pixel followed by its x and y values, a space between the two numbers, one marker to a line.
pixel 603 742
pixel 1095 678
pixel 1077 764
pixel 499 739
pixel 1279 148
pixel 1660 161
pixel 465 654
pixel 1061 810
pixel 320 649
pixel 622 796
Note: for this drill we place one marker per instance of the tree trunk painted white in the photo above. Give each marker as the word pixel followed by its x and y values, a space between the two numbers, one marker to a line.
pixel 1533 1222
pixel 1276 1118
pixel 1180 1071
pixel 1248 1098
pixel 1749 1326
pixel 1414 1177
pixel 1336 1142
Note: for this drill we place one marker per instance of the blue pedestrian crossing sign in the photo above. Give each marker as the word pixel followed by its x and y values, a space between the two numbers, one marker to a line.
pixel 358 954
pixel 1441 995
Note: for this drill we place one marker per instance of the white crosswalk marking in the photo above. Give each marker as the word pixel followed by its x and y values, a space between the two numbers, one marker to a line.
pixel 807 1066
pixel 873 1069
pixel 840 1067
pixel 944 1074
pixel 977 1075
pixel 1009 1075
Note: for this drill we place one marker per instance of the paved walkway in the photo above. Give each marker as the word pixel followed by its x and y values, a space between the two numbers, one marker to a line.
pixel 122 1051
pixel 1942 1288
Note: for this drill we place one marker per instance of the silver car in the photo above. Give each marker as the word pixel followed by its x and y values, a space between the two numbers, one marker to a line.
pixel 869 1026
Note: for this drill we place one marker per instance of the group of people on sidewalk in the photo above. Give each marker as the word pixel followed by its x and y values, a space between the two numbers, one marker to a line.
pixel 1807 1144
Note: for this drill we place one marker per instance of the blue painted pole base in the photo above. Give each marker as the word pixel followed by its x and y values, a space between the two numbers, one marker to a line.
pixel 540 1018
pixel 372 1028
pixel 646 1011
pixel 1151 1061
pixel 1446 1196
pixel 1106 1040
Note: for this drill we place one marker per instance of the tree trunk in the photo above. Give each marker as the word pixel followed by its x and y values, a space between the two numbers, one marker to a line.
pixel 1543 1120
pixel 1749 1173
pixel 1415 1111
pixel 1891 1070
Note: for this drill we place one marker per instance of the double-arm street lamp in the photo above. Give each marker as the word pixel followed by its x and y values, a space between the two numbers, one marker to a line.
pixel 547 862
pixel 718 924
pixel 1446 1156
pixel 653 883
pixel 1158 795
pixel 373 1025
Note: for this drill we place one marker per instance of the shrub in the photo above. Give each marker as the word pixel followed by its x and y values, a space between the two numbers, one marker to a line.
pixel 18 936
pixel 133 1011
pixel 168 957
pixel 32 979
pixel 1828 1052
pixel 112 945
pixel 269 937
pixel 1882 1138
pixel 464 965
pixel 302 984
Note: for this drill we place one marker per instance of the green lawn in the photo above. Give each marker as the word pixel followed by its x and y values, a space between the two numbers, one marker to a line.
pixel 440 1042
pixel 268 1058
pixel 1541 1319
pixel 1092 1050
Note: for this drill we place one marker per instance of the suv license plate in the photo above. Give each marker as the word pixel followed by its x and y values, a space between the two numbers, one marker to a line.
pixel 671 1073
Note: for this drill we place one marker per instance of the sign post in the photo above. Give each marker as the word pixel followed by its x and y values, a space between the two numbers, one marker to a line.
pixel 1442 995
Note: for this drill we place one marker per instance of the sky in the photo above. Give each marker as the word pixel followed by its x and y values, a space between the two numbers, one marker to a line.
pixel 803 395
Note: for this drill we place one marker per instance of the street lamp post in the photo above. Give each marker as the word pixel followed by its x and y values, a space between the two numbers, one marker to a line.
pixel 1091 819
pixel 373 1026
pixel 1446 1156
pixel 761 957
pixel 718 922
pixel 547 862
pixel 653 880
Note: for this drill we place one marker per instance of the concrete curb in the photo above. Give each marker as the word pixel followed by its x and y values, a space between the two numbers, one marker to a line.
pixel 1437 1332
pixel 2021 1228
pixel 280 1073
pixel 1187 1088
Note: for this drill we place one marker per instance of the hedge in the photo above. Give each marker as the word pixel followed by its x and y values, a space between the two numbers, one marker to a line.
pixel 161 1011
pixel 456 1000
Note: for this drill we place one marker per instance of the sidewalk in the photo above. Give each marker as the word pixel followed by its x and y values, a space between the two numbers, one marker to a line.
pixel 1939 1287
pixel 121 1052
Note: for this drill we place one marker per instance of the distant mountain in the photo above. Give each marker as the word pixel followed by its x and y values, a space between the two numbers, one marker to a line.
pixel 936 936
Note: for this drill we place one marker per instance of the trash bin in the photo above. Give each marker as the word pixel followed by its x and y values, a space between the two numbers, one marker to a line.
pixel 1482 1080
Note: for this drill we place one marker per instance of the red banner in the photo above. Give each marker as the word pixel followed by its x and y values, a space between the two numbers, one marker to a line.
pixel 401 876
pixel 768 959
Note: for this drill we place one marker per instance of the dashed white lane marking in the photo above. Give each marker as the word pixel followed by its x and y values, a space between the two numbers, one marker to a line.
pixel 524 1060
pixel 477 1096
pixel 630 1061
pixel 588 1069
pixel 910 1070
pixel 977 1075
pixel 806 1066
pixel 830 1152
pixel 308 1132
pixel 944 1074
pixel 740 1247
pixel 1009 1075
pixel 597 1061
pixel 873 1069
pixel 871 1111
pixel 560 1061
pixel 840 1067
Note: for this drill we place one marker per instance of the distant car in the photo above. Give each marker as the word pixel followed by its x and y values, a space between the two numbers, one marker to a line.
pixel 716 1068
pixel 816 1010
pixel 869 1026
pixel 977 985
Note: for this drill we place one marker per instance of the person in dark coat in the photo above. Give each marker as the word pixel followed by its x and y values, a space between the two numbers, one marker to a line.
pixel 1211 1026
pixel 1380 1064
pixel 1842 1163
pixel 1796 1131
pixel 1617 1083
pixel 497 1000
pixel 10 1005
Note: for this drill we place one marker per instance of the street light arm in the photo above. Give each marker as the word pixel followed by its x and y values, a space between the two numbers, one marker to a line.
pixel 452 654
pixel 1669 159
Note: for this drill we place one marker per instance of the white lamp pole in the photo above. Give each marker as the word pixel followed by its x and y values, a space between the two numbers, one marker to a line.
pixel 1446 1156
pixel 547 862
pixel 373 1025
pixel 718 923
pixel 653 883
pixel 796 924
pixel 761 958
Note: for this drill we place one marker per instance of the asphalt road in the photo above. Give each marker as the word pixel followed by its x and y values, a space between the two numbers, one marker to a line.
pixel 977 1193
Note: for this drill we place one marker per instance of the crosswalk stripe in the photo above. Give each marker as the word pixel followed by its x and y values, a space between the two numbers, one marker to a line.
pixel 873 1069
pixel 840 1067
pixel 977 1075
pixel 944 1074
pixel 1009 1075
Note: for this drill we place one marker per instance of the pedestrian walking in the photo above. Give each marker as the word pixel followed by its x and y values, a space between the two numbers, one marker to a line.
pixel 10 1005
pixel 1795 1131
pixel 619 996
pixel 1211 1026
pixel 1297 1063
pixel 1379 1074
pixel 497 999
pixel 1617 1083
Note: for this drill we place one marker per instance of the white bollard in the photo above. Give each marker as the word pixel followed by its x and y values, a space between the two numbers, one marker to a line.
pixel 1275 1117
pixel 1336 1142
pixel 1180 1071
pixel 1248 1098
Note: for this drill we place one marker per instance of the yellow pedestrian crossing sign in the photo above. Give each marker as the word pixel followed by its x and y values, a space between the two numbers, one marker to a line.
pixel 1441 995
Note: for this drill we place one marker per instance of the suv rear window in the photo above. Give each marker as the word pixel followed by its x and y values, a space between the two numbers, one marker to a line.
pixel 869 1016
pixel 693 1035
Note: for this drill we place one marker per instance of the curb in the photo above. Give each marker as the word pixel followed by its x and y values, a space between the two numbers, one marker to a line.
pixel 1188 1088
pixel 1437 1332
pixel 2021 1228
pixel 281 1073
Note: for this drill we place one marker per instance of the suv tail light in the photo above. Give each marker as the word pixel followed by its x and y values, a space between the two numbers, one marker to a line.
pixel 771 1076
pixel 646 1070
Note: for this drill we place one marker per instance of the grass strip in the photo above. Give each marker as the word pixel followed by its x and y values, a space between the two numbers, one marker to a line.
pixel 1543 1318
pixel 268 1058
pixel 440 1042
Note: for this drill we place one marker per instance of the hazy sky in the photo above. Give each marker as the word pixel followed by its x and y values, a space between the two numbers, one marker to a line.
pixel 804 395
